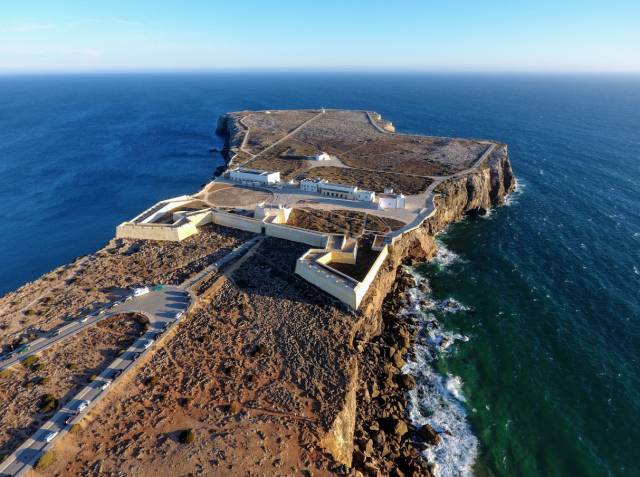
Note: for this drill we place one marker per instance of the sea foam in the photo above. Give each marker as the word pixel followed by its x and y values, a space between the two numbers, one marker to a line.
pixel 438 400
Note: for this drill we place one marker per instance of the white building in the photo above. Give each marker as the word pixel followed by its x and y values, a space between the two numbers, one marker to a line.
pixel 366 195
pixel 254 176
pixel 323 156
pixel 391 201
pixel 338 191
pixel 309 185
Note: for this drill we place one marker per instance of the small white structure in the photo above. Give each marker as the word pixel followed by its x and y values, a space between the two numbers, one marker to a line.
pixel 323 156
pixel 279 213
pixel 254 176
pixel 366 195
pixel 391 201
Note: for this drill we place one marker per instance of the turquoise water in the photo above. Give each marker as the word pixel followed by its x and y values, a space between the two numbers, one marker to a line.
pixel 548 382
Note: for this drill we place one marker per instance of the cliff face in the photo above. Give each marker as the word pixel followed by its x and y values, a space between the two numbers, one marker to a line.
pixel 473 193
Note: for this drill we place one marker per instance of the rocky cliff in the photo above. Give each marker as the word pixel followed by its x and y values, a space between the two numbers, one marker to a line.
pixel 473 193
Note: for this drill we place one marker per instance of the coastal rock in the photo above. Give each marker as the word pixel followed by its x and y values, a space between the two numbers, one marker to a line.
pixel 407 381
pixel 429 435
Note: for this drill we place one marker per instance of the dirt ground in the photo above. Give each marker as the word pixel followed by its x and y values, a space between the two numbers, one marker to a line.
pixel 235 196
pixel 60 371
pixel 69 292
pixel 341 221
pixel 266 128
pixel 351 137
pixel 256 374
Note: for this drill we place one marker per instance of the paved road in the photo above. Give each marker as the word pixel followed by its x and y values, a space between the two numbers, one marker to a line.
pixel 163 308
pixel 147 304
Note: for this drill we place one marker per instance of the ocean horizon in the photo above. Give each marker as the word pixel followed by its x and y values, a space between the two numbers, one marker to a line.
pixel 543 376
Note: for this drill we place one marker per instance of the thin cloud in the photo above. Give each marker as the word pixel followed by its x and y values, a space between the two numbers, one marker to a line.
pixel 26 27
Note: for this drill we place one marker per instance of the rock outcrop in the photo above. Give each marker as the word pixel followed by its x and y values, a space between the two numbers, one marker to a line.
pixel 472 193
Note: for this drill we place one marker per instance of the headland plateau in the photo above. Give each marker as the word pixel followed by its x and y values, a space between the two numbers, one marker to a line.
pixel 255 327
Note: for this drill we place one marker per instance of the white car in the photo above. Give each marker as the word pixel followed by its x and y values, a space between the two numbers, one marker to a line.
pixel 147 344
pixel 51 436
pixel 84 319
pixel 178 315
pixel 83 405
pixel 105 384
pixel 69 419
pixel 141 291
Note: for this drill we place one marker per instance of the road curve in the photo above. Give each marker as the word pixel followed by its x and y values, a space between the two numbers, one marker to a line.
pixel 164 307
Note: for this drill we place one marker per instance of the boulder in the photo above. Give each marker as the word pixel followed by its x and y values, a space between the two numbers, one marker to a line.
pixel 428 434
pixel 407 381
pixel 400 427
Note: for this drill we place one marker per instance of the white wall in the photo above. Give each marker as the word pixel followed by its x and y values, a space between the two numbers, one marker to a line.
pixel 295 234
pixel 236 221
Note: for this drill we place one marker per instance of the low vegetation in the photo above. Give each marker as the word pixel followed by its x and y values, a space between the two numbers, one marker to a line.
pixel 45 460
pixel 48 403
pixel 30 361
pixel 6 373
pixel 187 436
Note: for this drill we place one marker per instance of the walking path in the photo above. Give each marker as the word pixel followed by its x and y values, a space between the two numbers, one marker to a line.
pixel 272 145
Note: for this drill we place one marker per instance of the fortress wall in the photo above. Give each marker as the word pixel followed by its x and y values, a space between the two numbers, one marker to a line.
pixel 169 233
pixel 326 282
pixel 237 222
pixel 295 234
pixel 363 286
pixel 199 218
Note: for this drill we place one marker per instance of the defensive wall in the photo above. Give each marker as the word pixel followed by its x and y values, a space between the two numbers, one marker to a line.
pixel 314 266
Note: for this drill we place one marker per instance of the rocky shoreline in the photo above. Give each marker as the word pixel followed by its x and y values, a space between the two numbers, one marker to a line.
pixel 386 443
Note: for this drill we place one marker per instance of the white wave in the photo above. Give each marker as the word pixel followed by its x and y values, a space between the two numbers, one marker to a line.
pixel 454 386
pixel 438 400
pixel 451 305
pixel 514 196
pixel 445 257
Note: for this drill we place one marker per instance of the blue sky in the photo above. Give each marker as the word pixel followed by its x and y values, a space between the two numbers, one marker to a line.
pixel 461 35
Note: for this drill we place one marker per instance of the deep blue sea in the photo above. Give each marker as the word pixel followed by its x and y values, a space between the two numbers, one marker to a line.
pixel 548 382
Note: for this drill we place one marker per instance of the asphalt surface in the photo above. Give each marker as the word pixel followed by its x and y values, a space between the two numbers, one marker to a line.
pixel 163 308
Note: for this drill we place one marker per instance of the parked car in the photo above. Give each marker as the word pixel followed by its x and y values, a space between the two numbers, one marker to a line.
pixel 116 373
pixel 141 291
pixel 84 319
pixel 51 436
pixel 105 384
pixel 178 315
pixel 69 419
pixel 57 332
pixel 83 405
pixel 102 312
pixel 147 344
pixel 135 356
